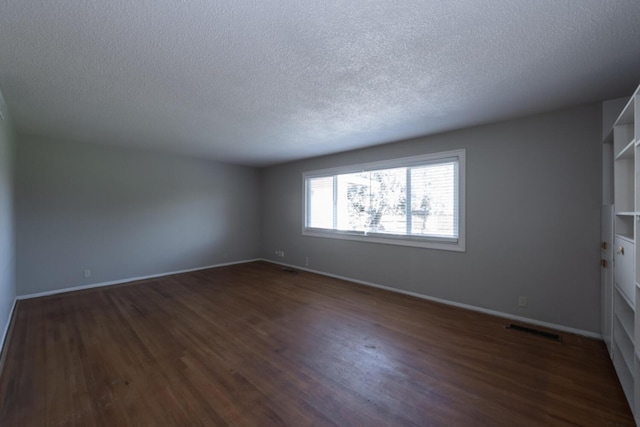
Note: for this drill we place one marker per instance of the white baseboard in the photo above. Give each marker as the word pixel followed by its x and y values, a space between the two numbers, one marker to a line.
pixel 514 317
pixel 523 319
pixel 131 279
pixel 7 326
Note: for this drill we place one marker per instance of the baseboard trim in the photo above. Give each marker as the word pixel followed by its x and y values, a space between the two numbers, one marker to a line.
pixel 7 333
pixel 131 279
pixel 509 316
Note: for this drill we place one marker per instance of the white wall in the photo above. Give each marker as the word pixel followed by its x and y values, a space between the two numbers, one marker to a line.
pixel 7 246
pixel 533 206
pixel 126 213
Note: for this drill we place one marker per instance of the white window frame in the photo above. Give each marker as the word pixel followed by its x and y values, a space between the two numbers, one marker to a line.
pixel 449 244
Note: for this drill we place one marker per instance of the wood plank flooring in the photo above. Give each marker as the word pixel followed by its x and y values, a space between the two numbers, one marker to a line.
pixel 252 345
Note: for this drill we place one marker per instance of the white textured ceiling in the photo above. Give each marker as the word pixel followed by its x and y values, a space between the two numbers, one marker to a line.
pixel 261 82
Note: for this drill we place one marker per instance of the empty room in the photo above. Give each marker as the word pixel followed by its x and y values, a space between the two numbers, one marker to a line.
pixel 300 213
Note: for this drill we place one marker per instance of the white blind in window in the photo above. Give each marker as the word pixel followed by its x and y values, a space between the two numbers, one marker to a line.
pixel 416 200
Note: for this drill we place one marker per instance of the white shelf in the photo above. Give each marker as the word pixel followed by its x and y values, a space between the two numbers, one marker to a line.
pixel 627 238
pixel 637 332
pixel 637 387
pixel 627 330
pixel 624 375
pixel 623 139
pixel 625 351
pixel 624 166
pixel 627 116
pixel 624 308
pixel 620 163
pixel 624 227
pixel 627 152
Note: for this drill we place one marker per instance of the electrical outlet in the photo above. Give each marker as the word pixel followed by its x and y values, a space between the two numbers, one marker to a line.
pixel 87 273
pixel 306 260
pixel 522 301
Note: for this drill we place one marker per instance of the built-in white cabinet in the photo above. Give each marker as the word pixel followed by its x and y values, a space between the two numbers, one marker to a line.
pixel 624 272
pixel 606 272
pixel 621 302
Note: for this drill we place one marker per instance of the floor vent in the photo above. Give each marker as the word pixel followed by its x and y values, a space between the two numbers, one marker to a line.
pixel 543 334
pixel 288 270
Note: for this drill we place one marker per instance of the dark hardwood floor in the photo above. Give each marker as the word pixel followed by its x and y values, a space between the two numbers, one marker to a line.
pixel 252 345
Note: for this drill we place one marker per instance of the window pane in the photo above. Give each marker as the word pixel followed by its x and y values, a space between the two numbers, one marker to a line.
pixel 353 202
pixel 412 201
pixel 320 202
pixel 372 202
pixel 434 209
pixel 388 209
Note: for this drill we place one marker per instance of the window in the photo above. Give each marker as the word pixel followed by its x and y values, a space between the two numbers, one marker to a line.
pixel 414 201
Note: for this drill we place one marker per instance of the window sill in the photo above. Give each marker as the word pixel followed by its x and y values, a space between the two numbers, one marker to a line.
pixel 416 242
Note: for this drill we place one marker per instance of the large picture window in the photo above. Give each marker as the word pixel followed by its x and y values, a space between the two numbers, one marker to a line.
pixel 414 201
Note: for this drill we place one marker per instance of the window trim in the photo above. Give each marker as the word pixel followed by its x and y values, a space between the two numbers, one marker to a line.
pixel 431 242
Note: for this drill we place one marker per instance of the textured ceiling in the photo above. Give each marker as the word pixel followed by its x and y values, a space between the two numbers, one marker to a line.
pixel 261 82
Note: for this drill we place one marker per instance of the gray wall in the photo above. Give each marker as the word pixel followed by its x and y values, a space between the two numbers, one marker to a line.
pixel 7 246
pixel 611 109
pixel 533 202
pixel 126 213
